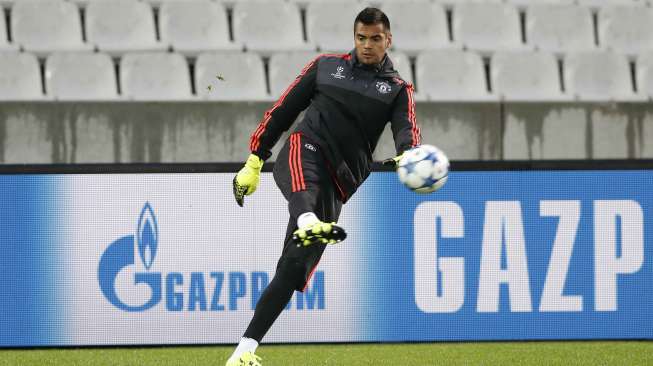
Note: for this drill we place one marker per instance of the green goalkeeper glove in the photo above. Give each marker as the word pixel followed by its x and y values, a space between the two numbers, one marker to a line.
pixel 246 181
pixel 393 162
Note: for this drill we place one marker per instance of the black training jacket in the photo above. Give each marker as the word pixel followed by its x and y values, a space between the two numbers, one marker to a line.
pixel 348 105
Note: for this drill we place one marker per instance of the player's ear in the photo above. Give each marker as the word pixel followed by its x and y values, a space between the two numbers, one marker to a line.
pixel 388 41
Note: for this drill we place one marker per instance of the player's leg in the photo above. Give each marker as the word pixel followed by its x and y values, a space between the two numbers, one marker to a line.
pixel 305 183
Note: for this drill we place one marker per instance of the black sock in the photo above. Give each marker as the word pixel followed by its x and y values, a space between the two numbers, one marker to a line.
pixel 274 299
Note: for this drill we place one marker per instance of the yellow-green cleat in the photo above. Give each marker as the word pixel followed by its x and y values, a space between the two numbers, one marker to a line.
pixel 320 232
pixel 246 359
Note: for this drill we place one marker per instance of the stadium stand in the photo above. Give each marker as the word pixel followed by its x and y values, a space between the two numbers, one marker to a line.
pixel 598 76
pixel 285 67
pixel 43 26
pixel 417 25
pixel 80 76
pixel 336 34
pixel 191 27
pixel 486 27
pixel 451 75
pixel 230 76
pixel 268 27
pixel 645 74
pixel 155 76
pixel 526 75
pixel 627 29
pixel 20 77
pixel 559 28
pixel 120 26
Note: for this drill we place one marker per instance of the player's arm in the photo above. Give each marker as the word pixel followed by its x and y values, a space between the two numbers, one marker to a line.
pixel 275 121
pixel 405 131
pixel 283 113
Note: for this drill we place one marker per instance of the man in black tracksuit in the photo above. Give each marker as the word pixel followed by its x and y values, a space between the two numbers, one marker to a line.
pixel 349 99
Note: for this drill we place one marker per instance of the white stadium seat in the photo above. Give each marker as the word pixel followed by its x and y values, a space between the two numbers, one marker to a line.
pixel 119 26
pixel 451 75
pixel 80 76
pixel 268 27
pixel 43 26
pixel 401 63
pixel 330 25
pixel 20 76
pixel 191 27
pixel 526 76
pixel 560 28
pixel 598 76
pixel 645 74
pixel 285 67
pixel 417 25
pixel 486 26
pixel 155 76
pixel 526 3
pixel 626 29
pixel 606 3
pixel 230 76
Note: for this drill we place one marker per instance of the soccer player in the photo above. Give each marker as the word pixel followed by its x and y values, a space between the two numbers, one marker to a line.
pixel 349 99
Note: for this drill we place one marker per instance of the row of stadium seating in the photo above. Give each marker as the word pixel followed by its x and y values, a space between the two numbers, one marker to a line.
pixel 192 27
pixel 440 75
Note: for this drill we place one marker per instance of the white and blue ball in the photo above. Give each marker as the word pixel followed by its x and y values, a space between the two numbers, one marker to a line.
pixel 423 169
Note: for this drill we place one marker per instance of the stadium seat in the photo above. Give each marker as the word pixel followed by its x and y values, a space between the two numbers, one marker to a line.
pixel 20 76
pixel 417 25
pixel 486 26
pixel 330 25
pixel 119 26
pixel 522 4
pixel 401 63
pixel 645 74
pixel 268 27
pixel 80 76
pixel 451 75
pixel 230 76
pixel 526 76
pixel 155 76
pixel 285 67
pixel 598 76
pixel 194 26
pixel 560 28
pixel 627 29
pixel 607 3
pixel 43 26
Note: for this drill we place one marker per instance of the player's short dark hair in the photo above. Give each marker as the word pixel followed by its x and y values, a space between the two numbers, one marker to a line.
pixel 371 16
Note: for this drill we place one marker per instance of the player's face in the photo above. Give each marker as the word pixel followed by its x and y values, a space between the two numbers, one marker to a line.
pixel 371 42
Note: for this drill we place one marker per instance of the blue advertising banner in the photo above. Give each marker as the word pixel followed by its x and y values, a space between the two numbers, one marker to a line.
pixel 161 258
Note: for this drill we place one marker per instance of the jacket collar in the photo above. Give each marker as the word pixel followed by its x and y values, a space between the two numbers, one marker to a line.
pixel 384 68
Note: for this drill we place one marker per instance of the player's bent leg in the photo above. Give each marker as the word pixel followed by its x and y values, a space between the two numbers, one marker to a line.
pixel 246 359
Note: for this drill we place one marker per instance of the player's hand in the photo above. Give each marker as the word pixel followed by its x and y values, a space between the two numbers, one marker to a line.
pixel 393 162
pixel 246 181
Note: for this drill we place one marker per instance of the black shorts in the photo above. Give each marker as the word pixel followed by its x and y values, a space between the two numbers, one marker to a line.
pixel 302 175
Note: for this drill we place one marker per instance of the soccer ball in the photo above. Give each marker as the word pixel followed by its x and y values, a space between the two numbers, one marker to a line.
pixel 423 169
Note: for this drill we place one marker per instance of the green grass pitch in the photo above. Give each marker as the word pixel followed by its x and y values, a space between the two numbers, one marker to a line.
pixel 490 353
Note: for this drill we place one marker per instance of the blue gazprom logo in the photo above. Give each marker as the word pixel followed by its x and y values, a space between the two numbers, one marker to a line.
pixel 201 291
pixel 120 254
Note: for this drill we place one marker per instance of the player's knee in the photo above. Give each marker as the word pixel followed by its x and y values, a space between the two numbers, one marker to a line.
pixel 292 270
